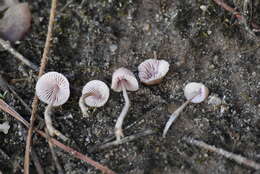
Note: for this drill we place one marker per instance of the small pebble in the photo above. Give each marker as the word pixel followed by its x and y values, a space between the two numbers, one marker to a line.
pixel 4 127
pixel 113 48
pixel 214 100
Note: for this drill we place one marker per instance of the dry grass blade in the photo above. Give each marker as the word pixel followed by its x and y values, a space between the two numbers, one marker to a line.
pixel 44 61
pixel 237 158
pixel 5 107
pixel 53 153
pixel 7 46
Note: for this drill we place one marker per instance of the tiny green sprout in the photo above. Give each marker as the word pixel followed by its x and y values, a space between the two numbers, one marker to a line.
pixel 3 95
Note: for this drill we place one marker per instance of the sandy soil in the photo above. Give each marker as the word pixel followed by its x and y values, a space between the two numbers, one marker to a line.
pixel 94 38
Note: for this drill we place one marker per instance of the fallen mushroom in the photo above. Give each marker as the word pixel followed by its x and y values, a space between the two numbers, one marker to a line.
pixel 152 71
pixel 194 93
pixel 53 89
pixel 94 94
pixel 123 80
pixel 4 127
pixel 16 22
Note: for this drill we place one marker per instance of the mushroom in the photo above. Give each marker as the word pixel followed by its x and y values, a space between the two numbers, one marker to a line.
pixel 94 94
pixel 152 71
pixel 123 80
pixel 53 89
pixel 16 22
pixel 194 93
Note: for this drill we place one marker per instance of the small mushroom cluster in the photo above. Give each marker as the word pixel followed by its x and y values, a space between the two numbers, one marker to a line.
pixel 53 89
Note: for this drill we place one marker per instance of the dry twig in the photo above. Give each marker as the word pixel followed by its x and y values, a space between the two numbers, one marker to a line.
pixel 36 100
pixel 6 108
pixel 123 140
pixel 238 15
pixel 7 46
pixel 237 158
pixel 53 153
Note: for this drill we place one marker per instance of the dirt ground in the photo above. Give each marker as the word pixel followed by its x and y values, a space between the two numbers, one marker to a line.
pixel 201 41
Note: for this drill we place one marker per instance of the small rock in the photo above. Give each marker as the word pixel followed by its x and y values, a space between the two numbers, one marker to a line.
pixel 203 8
pixel 4 127
pixel 113 48
pixel 214 100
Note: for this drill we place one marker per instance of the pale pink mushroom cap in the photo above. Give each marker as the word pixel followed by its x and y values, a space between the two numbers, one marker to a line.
pixel 192 88
pixel 100 93
pixel 53 87
pixel 152 71
pixel 124 78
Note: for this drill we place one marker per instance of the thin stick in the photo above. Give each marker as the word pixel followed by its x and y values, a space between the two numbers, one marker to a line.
pixel 7 46
pixel 120 120
pixel 123 140
pixel 4 155
pixel 238 15
pixel 237 158
pixel 37 162
pixel 5 107
pixel 54 156
pixel 44 61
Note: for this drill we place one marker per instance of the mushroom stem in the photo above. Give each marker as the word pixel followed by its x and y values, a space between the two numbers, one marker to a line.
pixel 119 122
pixel 82 105
pixel 173 117
pixel 176 114
pixel 52 131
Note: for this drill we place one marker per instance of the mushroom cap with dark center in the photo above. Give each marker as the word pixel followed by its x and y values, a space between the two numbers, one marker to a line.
pixel 99 93
pixel 194 87
pixel 53 87
pixel 124 78
pixel 152 71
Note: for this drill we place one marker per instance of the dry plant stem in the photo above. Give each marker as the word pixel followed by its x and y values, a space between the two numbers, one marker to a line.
pixel 54 156
pixel 124 140
pixel 4 155
pixel 82 105
pixel 6 87
pixel 52 131
pixel 237 158
pixel 6 108
pixel 37 163
pixel 44 60
pixel 118 127
pixel 7 46
pixel 239 16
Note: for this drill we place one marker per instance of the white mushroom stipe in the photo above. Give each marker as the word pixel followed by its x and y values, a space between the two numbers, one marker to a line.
pixel 94 94
pixel 195 93
pixel 123 80
pixel 118 127
pixel 152 71
pixel 52 88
